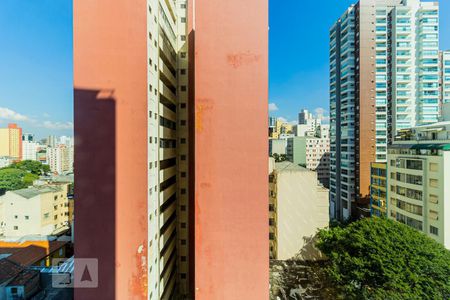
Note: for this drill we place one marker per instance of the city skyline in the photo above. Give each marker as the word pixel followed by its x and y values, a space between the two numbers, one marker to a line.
pixel 47 107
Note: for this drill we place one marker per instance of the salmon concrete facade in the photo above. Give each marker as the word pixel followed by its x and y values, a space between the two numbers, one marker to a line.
pixel 230 83
pixel 184 210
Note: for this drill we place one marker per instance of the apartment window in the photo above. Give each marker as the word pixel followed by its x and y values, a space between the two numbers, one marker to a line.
pixel 183 38
pixel 150 140
pixel 16 216
pixel 182 105
pixel 150 37
pixel 434 215
pixel 434 167
pixel 46 215
pixel 183 258
pixel 183 276
pixel 183 122
pixel 149 114
pixel 183 71
pixel 434 183
pixel 183 174
pixel 183 54
pixel 183 157
pixel 55 217
pixel 183 88
pixel 16 227
pixel 183 20
pixel 183 242
pixel 183 5
pixel 27 217
pixel 183 191
pixel 156 44
pixel 433 199
pixel 434 230
pixel 150 88
pixel 183 225
pixel 183 141
pixel 56 197
pixel 183 207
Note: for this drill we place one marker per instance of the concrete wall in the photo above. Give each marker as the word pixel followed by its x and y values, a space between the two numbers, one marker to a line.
pixel 230 80
pixel 302 208
pixel 110 82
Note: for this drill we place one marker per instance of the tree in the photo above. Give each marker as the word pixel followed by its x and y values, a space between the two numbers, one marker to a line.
pixel 14 179
pixel 34 167
pixel 382 259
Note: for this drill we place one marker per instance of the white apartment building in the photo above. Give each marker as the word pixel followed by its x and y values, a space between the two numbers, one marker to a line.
pixel 312 153
pixel 298 207
pixel 382 52
pixel 30 150
pixel 445 76
pixel 418 178
pixel 168 149
pixel 39 210
pixel 60 159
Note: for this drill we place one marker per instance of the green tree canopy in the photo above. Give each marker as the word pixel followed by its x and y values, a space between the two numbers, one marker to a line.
pixel 34 167
pixel 382 259
pixel 15 179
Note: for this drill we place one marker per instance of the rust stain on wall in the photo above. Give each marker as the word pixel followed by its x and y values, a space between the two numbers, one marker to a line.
pixel 138 285
pixel 202 107
pixel 240 59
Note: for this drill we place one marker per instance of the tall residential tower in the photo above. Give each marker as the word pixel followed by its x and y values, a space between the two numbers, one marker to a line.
pixel 183 206
pixel 384 77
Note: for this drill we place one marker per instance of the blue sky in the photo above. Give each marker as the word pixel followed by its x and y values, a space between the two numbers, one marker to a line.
pixel 299 52
pixel 36 65
pixel 36 59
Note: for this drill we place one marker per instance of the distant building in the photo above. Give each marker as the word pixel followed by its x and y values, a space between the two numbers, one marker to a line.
pixel 298 207
pixel 445 76
pixel 277 146
pixel 11 142
pixel 312 153
pixel 418 178
pixel 52 141
pixel 39 210
pixel 280 127
pixel 28 137
pixel 60 159
pixel 30 150
pixel 378 184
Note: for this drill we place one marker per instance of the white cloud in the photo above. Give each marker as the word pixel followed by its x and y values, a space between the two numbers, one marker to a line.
pixel 273 107
pixel 320 111
pixel 8 114
pixel 323 113
pixel 57 125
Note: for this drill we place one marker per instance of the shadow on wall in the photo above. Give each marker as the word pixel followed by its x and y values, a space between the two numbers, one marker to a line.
pixel 95 187
pixel 309 251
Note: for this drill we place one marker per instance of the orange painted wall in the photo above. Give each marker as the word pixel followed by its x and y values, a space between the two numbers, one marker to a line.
pixel 110 82
pixel 229 40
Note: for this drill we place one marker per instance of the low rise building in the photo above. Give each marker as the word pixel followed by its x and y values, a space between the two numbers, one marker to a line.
pixel 419 176
pixel 312 153
pixel 38 210
pixel 378 185
pixel 298 208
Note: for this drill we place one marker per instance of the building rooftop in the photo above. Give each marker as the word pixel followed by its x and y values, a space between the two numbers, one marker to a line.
pixel 23 277
pixel 34 191
pixel 30 254
pixel 9 269
pixel 287 166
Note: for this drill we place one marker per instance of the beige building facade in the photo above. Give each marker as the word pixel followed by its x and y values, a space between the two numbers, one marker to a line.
pixel 298 208
pixel 39 210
